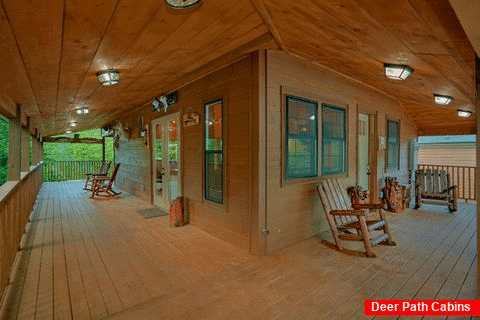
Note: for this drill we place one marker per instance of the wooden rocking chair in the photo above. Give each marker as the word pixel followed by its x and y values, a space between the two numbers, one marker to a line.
pixel 102 173
pixel 349 222
pixel 104 184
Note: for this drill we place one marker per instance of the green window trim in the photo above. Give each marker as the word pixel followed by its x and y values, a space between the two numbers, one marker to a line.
pixel 301 138
pixel 334 140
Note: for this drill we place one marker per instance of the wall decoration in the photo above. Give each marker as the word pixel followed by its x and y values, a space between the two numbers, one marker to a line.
pixel 190 119
pixel 382 144
pixel 164 102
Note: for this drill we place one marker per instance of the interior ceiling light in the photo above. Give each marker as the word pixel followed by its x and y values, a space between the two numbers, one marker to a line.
pixel 73 124
pixel 443 100
pixel 181 4
pixel 397 71
pixel 82 110
pixel 464 113
pixel 69 131
pixel 108 77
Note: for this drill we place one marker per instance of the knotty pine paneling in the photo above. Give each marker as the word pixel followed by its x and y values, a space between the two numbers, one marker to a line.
pixel 231 221
pixel 293 209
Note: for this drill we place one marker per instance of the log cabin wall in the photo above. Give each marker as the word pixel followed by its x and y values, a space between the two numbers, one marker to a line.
pixel 293 209
pixel 231 221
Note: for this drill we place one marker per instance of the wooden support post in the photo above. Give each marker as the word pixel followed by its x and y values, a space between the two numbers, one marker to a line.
pixel 477 182
pixel 14 157
pixel 103 149
pixel 35 150
pixel 24 150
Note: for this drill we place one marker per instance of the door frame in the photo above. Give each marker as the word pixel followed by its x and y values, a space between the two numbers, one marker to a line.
pixel 373 132
pixel 156 121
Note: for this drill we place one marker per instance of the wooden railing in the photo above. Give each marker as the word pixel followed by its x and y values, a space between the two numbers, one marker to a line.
pixel 17 199
pixel 463 177
pixel 54 171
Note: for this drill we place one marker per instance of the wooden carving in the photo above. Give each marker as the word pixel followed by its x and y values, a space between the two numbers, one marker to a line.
pixel 358 195
pixel 392 194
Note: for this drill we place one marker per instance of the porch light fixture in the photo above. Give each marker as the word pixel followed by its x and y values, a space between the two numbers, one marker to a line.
pixel 397 71
pixel 464 113
pixel 182 4
pixel 108 77
pixel 443 100
pixel 82 110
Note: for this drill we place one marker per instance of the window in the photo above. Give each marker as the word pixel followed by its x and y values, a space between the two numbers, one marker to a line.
pixel 393 144
pixel 334 140
pixel 301 139
pixel 214 151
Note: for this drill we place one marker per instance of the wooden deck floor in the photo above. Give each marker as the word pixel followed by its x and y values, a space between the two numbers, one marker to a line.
pixel 93 259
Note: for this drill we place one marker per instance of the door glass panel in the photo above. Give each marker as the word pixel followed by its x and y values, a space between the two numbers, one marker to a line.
pixel 363 150
pixel 158 147
pixel 173 159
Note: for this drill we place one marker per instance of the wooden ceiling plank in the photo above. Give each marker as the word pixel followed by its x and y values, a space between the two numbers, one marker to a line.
pixel 128 21
pixel 178 40
pixel 37 27
pixel 84 26
pixel 180 63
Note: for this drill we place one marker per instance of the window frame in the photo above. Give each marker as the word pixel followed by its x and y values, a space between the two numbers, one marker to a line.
pixel 207 152
pixel 396 166
pixel 345 141
pixel 286 176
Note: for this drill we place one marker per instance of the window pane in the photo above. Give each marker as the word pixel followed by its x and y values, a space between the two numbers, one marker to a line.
pixel 393 144
pixel 334 141
pixel 214 151
pixel 301 140
pixel 214 176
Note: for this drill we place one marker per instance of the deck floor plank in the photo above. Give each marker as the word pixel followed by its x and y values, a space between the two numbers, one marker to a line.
pixel 99 259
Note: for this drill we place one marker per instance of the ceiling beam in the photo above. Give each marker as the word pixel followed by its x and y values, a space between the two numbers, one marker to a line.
pixel 267 19
pixel 73 140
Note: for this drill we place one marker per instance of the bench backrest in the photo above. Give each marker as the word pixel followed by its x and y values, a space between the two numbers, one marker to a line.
pixel 432 181
pixel 333 195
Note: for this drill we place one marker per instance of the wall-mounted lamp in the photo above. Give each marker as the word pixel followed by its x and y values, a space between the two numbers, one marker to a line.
pixel 464 113
pixel 82 110
pixel 108 77
pixel 397 71
pixel 443 100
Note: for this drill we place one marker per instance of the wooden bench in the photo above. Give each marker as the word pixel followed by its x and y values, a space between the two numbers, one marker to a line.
pixel 352 223
pixel 434 187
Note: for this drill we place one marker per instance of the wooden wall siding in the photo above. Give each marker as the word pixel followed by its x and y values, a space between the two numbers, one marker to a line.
pixel 17 199
pixel 293 210
pixel 134 173
pixel 449 155
pixel 230 222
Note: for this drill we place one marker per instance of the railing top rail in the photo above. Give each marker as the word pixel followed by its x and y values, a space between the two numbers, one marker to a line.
pixel 444 165
pixel 7 189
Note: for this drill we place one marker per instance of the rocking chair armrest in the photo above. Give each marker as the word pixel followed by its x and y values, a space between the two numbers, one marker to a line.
pixel 449 188
pixel 101 178
pixel 347 212
pixel 358 206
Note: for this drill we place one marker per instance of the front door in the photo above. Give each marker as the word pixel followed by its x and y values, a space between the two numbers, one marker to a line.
pixel 166 160
pixel 363 150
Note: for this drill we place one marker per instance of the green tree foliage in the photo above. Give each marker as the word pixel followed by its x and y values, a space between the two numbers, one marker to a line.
pixel 53 151
pixel 3 150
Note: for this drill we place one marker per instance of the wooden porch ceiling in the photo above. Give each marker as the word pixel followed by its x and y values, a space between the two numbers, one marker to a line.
pixel 51 50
